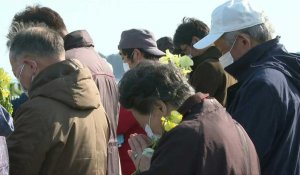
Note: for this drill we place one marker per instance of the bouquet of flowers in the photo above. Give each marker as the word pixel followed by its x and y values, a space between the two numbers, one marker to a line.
pixel 5 96
pixel 183 63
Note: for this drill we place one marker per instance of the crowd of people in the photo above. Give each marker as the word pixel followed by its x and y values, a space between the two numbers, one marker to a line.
pixel 236 112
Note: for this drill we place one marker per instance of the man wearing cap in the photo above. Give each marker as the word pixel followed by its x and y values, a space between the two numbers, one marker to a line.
pixel 208 75
pixel 138 44
pixel 266 99
pixel 135 46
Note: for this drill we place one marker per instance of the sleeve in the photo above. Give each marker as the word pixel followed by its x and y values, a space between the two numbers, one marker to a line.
pixel 260 111
pixel 177 153
pixel 206 78
pixel 28 144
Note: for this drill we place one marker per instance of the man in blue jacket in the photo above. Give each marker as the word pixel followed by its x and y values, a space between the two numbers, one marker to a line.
pixel 266 99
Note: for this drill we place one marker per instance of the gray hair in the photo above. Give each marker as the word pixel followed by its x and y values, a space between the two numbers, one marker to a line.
pixel 141 87
pixel 260 33
pixel 35 40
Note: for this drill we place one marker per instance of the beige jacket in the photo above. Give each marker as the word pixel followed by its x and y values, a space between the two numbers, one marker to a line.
pixel 62 128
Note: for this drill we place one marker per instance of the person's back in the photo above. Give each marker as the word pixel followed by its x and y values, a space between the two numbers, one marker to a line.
pixel 60 133
pixel 79 45
pixel 266 98
pixel 276 75
pixel 214 143
pixel 187 133
pixel 62 128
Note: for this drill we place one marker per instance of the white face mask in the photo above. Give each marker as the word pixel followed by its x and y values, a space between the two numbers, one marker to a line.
pixel 125 67
pixel 148 130
pixel 227 58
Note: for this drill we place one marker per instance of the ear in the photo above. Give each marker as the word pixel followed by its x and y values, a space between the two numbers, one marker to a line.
pixel 195 39
pixel 160 108
pixel 137 55
pixel 246 41
pixel 32 64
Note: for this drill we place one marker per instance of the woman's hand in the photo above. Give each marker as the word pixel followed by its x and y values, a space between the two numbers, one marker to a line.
pixel 137 143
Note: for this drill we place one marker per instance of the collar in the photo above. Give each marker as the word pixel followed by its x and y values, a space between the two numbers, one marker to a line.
pixel 239 68
pixel 186 107
pixel 78 38
pixel 211 53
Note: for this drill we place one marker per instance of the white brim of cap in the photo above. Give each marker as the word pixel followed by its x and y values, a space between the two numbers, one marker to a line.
pixel 207 41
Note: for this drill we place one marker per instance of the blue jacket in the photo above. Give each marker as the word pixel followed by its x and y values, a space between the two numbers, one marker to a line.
pixel 266 102
pixel 6 122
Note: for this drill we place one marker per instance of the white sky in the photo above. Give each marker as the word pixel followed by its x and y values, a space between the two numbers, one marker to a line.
pixel 106 19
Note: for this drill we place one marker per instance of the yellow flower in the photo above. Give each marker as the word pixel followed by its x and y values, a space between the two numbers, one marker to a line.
pixel 186 62
pixel 171 121
pixel 183 63
pixel 4 90
pixel 5 93
pixel 164 60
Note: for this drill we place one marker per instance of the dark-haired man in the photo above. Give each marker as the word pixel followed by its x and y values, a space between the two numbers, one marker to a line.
pixel 138 44
pixel 135 46
pixel 208 75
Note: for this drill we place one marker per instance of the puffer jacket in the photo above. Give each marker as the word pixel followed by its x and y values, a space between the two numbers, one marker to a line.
pixel 62 128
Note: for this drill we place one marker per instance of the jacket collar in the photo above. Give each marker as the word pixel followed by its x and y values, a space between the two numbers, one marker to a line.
pixel 239 69
pixel 211 53
pixel 186 107
pixel 78 38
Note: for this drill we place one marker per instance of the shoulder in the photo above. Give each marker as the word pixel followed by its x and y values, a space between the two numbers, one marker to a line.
pixel 269 78
pixel 187 130
pixel 211 66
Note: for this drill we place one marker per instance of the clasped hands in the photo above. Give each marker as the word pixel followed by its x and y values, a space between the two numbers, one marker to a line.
pixel 140 157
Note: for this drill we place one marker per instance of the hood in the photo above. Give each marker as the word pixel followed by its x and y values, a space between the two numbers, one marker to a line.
pixel 288 65
pixel 281 60
pixel 6 122
pixel 67 82
pixel 78 38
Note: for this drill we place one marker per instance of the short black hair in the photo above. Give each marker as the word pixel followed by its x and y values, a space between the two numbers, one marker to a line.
pixel 150 81
pixel 190 27
pixel 38 14
pixel 165 43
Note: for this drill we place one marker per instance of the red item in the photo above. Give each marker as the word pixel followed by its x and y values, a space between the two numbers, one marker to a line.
pixel 127 125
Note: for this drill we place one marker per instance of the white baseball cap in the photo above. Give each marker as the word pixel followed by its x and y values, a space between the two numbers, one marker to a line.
pixel 231 16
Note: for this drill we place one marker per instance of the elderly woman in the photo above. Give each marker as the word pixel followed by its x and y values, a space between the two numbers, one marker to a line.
pixel 206 141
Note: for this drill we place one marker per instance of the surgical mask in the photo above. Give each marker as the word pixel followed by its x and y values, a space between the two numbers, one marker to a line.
pixel 150 134
pixel 125 67
pixel 227 58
